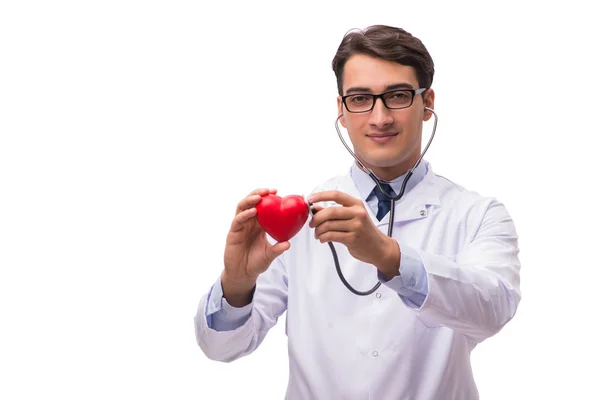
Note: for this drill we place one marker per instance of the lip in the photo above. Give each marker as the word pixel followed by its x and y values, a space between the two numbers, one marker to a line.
pixel 382 137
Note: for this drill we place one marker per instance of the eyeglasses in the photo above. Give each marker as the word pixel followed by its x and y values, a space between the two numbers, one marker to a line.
pixel 394 100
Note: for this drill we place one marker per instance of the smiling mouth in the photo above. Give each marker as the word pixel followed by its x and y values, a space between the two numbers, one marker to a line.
pixel 381 135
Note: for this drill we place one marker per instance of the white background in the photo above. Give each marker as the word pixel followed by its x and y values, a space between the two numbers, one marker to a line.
pixel 130 129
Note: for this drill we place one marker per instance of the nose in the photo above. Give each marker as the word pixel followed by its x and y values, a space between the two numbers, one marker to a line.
pixel 380 116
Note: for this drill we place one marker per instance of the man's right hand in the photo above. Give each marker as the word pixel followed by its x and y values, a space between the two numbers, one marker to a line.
pixel 248 253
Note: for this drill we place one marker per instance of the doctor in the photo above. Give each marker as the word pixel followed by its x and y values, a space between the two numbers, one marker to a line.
pixel 449 274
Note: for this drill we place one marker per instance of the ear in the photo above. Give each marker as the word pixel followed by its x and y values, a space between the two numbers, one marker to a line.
pixel 429 103
pixel 341 110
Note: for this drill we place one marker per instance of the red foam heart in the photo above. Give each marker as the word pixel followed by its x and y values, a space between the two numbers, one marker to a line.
pixel 281 218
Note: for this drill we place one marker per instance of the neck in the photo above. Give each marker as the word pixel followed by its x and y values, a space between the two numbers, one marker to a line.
pixel 392 172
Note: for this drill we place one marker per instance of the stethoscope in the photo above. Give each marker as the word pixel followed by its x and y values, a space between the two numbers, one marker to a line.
pixel 393 199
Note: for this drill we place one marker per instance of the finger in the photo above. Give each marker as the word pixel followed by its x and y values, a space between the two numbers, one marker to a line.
pixel 331 213
pixel 334 226
pixel 334 195
pixel 251 200
pixel 263 191
pixel 274 251
pixel 259 192
pixel 315 209
pixel 247 203
pixel 241 218
pixel 334 236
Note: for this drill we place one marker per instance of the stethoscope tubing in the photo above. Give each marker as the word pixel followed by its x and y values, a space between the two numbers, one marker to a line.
pixel 393 199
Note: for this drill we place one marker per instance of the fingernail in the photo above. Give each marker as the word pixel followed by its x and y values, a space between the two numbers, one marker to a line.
pixel 310 199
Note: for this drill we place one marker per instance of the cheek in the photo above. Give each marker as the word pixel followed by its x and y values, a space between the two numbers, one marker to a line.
pixel 411 121
pixel 353 125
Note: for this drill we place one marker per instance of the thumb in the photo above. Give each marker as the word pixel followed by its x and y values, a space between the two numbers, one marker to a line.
pixel 276 250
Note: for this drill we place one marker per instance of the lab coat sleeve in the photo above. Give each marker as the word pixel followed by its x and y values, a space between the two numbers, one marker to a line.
pixel 225 333
pixel 411 283
pixel 220 315
pixel 477 291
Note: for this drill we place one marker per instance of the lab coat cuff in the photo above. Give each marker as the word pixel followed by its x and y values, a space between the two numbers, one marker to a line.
pixel 222 316
pixel 411 284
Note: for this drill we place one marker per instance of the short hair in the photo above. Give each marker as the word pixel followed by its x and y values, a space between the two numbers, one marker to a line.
pixel 388 43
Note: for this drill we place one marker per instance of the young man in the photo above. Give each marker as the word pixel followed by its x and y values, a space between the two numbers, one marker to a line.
pixel 449 274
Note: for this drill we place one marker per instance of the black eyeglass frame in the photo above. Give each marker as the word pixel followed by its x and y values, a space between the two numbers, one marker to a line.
pixel 413 92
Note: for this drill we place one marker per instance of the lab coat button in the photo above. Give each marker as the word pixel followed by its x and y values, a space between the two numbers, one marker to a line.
pixel 378 295
pixel 412 281
pixel 423 213
pixel 375 354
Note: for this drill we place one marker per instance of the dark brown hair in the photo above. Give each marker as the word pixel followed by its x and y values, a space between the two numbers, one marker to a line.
pixel 388 43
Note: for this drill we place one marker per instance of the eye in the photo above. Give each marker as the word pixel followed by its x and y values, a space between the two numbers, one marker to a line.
pixel 359 98
pixel 400 95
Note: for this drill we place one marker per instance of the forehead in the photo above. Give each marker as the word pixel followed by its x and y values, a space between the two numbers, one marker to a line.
pixel 375 73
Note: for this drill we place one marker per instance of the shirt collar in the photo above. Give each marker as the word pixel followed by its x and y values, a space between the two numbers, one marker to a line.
pixel 365 184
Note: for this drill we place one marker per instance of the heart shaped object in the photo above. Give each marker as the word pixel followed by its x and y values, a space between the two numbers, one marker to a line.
pixel 281 218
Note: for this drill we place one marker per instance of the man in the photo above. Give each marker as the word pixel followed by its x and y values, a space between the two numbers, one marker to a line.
pixel 449 274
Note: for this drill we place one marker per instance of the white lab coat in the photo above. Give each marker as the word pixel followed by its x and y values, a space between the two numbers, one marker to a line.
pixel 343 346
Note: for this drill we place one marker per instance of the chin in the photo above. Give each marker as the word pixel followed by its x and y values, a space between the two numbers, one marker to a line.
pixel 383 160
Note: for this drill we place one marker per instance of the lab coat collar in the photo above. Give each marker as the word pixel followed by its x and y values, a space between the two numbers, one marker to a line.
pixel 365 184
pixel 418 197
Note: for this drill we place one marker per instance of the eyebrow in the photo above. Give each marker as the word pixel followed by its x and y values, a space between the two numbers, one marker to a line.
pixel 395 86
